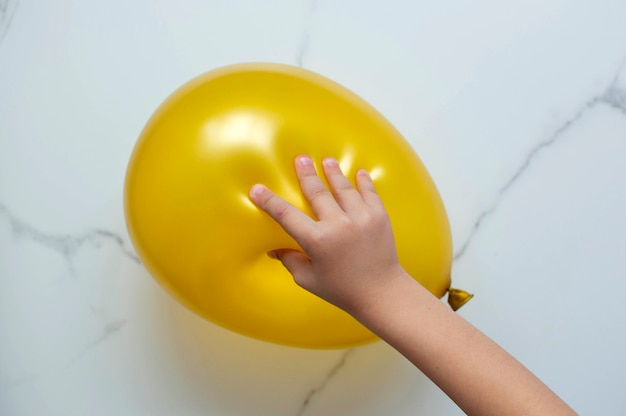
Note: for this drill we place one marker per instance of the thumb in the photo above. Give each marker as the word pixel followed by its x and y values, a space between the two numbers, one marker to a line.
pixel 296 262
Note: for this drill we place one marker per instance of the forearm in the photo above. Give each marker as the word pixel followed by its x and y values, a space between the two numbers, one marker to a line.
pixel 351 261
pixel 476 373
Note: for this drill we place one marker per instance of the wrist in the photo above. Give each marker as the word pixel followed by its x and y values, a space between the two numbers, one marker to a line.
pixel 387 303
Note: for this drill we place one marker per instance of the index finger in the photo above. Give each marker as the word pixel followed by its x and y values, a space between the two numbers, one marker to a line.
pixel 295 222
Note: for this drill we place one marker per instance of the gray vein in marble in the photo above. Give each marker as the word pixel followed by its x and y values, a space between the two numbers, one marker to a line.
pixel 303 47
pixel 7 11
pixel 65 245
pixel 119 241
pixel 318 389
pixel 613 96
pixel 110 329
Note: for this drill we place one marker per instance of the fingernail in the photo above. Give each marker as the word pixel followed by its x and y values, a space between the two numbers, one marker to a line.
pixel 331 162
pixel 257 190
pixel 363 172
pixel 304 160
pixel 272 255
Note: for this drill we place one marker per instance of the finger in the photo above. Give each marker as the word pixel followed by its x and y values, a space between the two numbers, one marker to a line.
pixel 348 198
pixel 295 222
pixel 321 200
pixel 366 188
pixel 296 262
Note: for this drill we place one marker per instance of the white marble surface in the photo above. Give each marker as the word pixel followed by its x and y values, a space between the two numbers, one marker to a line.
pixel 517 108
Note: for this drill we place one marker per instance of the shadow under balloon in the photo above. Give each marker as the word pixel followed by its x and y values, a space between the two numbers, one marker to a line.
pixel 216 370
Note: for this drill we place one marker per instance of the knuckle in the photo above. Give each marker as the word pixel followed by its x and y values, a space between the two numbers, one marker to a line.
pixel 262 201
pixel 341 227
pixel 316 237
pixel 344 186
pixel 322 237
pixel 266 200
pixel 371 219
pixel 281 210
pixel 277 207
pixel 344 223
pixel 317 192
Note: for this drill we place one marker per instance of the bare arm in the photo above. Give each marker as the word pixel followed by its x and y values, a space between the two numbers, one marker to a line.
pixel 350 260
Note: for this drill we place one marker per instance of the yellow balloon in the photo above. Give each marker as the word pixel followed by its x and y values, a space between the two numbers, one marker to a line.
pixel 198 234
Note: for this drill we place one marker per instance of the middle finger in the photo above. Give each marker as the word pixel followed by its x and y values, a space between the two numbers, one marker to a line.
pixel 321 200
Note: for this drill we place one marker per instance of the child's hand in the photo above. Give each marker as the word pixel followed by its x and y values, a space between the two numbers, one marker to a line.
pixel 350 253
pixel 350 260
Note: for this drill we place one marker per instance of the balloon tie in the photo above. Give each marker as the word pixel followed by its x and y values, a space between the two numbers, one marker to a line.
pixel 458 298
